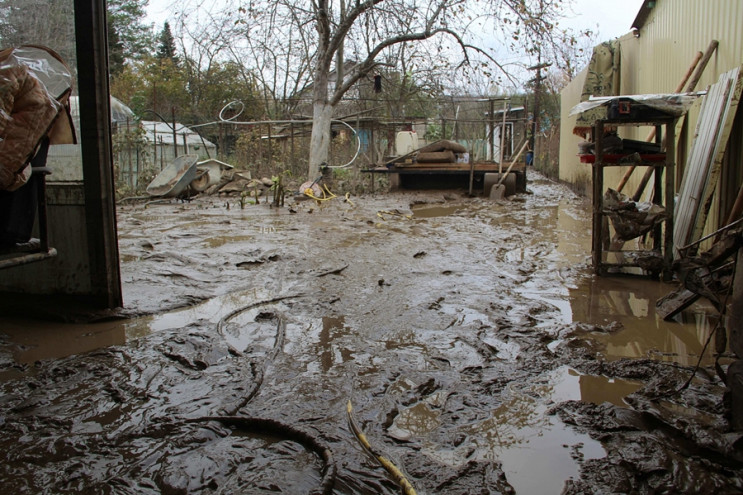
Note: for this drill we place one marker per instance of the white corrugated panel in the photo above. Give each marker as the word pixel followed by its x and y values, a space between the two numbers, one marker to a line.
pixel 705 159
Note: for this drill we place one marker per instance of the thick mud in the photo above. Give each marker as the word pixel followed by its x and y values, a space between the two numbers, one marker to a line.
pixel 478 352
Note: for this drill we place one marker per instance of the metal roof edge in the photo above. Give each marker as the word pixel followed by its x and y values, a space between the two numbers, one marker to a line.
pixel 643 14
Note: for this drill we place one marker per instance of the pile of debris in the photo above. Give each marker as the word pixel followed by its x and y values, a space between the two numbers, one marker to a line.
pixel 237 182
pixel 441 153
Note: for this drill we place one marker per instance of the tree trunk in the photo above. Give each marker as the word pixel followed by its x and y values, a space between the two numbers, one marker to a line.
pixel 322 114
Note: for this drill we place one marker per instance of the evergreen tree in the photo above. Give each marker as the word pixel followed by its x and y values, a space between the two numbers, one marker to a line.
pixel 129 38
pixel 166 45
pixel 52 23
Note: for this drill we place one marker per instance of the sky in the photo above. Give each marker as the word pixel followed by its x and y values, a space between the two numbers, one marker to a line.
pixel 613 17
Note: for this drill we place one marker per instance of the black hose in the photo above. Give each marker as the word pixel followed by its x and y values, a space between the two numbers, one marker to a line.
pixel 289 432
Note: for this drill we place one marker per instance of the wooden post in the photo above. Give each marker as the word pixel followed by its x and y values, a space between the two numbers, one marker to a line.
pixel 491 137
pixel 268 142
pixel 702 65
pixel 129 153
pixel 736 210
pixel 175 136
pixel 669 197
pixel 649 172
pixel 472 173
pixel 598 186
pixel 502 139
pixel 97 159
pixel 373 146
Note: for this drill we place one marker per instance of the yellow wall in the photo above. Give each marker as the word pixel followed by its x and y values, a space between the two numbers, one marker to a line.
pixel 570 169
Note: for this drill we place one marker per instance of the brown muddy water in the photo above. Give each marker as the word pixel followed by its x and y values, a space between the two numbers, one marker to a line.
pixel 479 353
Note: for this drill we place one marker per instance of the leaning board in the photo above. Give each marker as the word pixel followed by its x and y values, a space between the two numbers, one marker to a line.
pixel 703 166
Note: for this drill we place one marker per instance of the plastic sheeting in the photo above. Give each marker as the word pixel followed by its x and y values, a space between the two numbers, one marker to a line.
pixel 49 70
pixel 631 219
pixel 120 113
pixel 675 104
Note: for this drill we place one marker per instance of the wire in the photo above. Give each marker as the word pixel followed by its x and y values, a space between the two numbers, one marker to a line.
pixel 232 120
pixel 263 426
pixel 327 195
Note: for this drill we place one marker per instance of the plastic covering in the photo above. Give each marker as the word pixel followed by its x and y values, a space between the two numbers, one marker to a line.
pixel 631 219
pixel 47 68
pixel 34 85
pixel 676 104
pixel 120 113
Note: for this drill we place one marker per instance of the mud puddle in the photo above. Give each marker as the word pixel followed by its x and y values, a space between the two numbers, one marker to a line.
pixel 478 351
pixel 628 306
pixel 428 211
pixel 29 341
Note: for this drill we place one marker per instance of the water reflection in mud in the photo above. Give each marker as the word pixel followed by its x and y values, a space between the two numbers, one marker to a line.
pixel 520 433
pixel 38 340
pixel 569 384
pixel 630 302
pixel 333 328
pixel 34 340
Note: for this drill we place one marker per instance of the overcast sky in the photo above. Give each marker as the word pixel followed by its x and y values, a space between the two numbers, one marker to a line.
pixel 613 17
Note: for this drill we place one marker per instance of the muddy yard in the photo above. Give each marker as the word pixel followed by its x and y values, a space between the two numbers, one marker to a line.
pixel 478 353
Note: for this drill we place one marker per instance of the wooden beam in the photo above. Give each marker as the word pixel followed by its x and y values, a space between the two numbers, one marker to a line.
pixel 651 135
pixel 95 140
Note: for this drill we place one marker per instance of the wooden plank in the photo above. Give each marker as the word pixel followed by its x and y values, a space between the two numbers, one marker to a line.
pixel 695 164
pixel 461 167
pixel 678 89
pixel 670 199
pixel 675 302
pixel 700 68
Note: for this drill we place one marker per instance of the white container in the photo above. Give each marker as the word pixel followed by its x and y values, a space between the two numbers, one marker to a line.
pixel 463 157
pixel 406 142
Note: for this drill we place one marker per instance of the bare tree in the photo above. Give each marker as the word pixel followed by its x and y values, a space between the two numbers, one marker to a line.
pixel 323 48
pixel 373 27
pixel 40 22
pixel 281 56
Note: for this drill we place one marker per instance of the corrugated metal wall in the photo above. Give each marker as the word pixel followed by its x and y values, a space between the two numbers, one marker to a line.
pixel 676 30
pixel 654 62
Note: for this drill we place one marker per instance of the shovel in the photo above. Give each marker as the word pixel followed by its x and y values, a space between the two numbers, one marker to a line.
pixel 498 190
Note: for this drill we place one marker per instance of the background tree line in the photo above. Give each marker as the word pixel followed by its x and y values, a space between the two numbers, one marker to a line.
pixel 286 60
